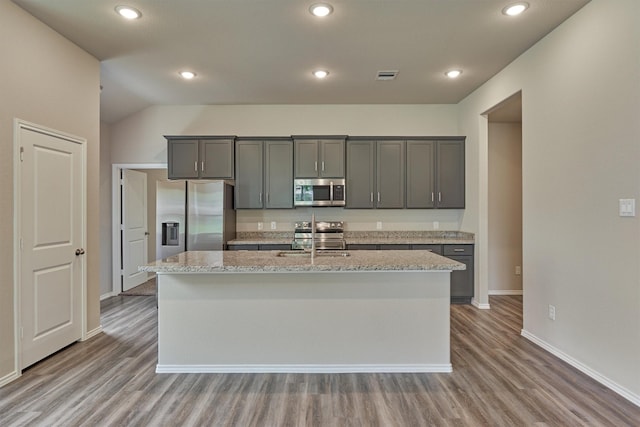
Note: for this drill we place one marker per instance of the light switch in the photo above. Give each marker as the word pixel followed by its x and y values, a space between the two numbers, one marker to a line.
pixel 627 207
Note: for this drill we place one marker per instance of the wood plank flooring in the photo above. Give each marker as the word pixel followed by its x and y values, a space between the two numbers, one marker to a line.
pixel 499 379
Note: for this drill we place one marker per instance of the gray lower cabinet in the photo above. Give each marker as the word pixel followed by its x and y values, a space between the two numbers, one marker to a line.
pixel 319 158
pixel 200 158
pixel 435 174
pixel 462 288
pixel 375 174
pixel 264 174
pixel 262 247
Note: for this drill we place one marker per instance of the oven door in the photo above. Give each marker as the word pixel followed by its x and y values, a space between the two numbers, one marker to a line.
pixel 322 195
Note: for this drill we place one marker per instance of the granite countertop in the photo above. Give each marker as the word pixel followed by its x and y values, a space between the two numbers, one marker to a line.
pixel 269 261
pixel 435 237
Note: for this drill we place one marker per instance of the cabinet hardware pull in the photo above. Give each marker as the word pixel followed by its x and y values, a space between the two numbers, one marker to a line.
pixel 315 166
pixel 439 196
pixel 432 196
pixel 371 197
pixel 378 197
pixel 458 250
pixel 195 166
pixel 260 197
pixel 323 166
pixel 202 166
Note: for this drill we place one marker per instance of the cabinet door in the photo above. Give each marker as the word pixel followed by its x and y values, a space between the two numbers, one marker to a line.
pixel 306 158
pixel 450 174
pixel 394 247
pixel 462 281
pixel 248 188
pixel 421 174
pixel 182 159
pixel 390 174
pixel 278 156
pixel 436 249
pixel 360 174
pixel 361 247
pixel 331 158
pixel 216 158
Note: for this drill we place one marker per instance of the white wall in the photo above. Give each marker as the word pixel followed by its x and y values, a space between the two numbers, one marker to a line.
pixel 49 81
pixel 581 151
pixel 505 207
pixel 106 273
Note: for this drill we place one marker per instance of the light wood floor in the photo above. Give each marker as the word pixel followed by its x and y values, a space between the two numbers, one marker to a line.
pixel 499 379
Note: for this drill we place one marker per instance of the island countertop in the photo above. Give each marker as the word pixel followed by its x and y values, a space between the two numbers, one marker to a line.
pixel 269 261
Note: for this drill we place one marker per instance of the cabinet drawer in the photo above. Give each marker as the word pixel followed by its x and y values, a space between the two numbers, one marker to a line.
pixel 242 247
pixel 458 249
pixel 355 247
pixel 436 249
pixel 394 247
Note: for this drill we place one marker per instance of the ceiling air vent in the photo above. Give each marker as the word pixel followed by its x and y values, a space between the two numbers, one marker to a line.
pixel 387 75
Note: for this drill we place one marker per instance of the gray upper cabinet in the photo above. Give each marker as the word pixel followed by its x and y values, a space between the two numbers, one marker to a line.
pixel 278 182
pixel 249 175
pixel 450 174
pixel 264 174
pixel 319 158
pixel 435 174
pixel 375 174
pixel 420 174
pixel 361 162
pixel 390 174
pixel 195 158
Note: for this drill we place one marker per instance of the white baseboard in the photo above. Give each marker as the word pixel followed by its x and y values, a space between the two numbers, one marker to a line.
pixel 622 391
pixel 295 369
pixel 477 304
pixel 107 295
pixel 92 333
pixel 505 292
pixel 12 376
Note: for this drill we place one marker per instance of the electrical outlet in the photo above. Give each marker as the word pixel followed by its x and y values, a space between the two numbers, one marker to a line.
pixel 518 270
pixel 260 226
pixel 379 225
pixel 273 225
pixel 436 225
pixel 552 312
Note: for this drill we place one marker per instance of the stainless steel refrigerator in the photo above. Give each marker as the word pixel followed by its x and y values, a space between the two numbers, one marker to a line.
pixel 193 216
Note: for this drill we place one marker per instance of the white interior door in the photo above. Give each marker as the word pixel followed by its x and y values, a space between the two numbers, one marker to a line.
pixel 52 235
pixel 134 228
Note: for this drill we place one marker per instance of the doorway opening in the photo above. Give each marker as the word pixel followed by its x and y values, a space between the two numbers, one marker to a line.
pixel 504 204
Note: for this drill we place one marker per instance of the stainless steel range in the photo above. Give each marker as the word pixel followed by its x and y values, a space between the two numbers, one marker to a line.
pixel 329 235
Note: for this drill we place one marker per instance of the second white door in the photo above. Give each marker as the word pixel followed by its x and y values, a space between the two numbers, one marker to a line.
pixel 134 228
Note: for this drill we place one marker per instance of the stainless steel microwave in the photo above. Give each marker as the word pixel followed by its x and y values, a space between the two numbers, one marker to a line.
pixel 319 192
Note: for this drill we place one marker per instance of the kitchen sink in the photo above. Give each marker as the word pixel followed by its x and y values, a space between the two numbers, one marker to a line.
pixel 320 253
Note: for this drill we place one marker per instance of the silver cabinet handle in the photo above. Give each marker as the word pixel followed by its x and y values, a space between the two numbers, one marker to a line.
pixel 267 197
pixel 432 196
pixel 315 166
pixel 202 166
pixel 195 166
pixel 439 196
pixel 371 197
pixel 458 250
pixel 260 197
pixel 323 166
pixel 378 197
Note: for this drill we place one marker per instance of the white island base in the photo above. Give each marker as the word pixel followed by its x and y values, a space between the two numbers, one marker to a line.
pixel 329 322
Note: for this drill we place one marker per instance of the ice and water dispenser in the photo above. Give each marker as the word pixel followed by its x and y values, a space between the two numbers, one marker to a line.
pixel 170 233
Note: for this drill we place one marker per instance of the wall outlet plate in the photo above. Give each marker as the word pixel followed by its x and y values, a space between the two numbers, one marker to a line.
pixel 436 225
pixel 379 225
pixel 273 225
pixel 260 226
pixel 552 312
pixel 518 270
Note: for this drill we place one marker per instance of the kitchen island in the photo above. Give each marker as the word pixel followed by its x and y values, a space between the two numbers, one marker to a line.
pixel 271 311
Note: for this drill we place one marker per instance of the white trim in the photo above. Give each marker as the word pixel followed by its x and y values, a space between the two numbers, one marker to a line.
pixel 115 217
pixel 296 369
pixel 107 295
pixel 92 333
pixel 12 376
pixel 19 124
pixel 622 391
pixel 505 292
pixel 480 306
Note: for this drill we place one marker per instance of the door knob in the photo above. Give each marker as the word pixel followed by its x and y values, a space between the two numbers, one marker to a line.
pixel 79 251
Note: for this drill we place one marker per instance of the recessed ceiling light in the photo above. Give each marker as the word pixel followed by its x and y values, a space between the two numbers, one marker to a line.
pixel 515 8
pixel 321 74
pixel 187 75
pixel 452 74
pixel 321 9
pixel 128 12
